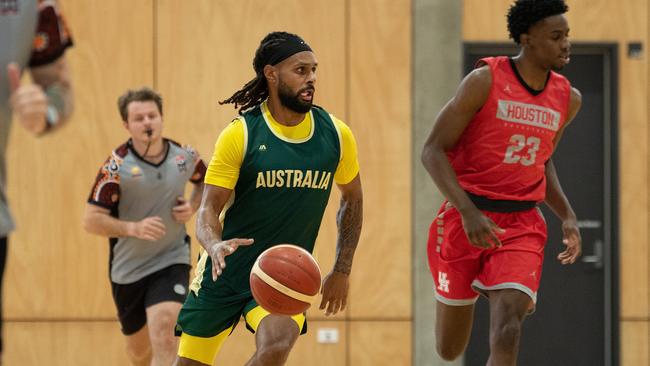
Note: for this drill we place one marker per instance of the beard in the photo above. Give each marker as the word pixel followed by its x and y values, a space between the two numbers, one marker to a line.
pixel 292 100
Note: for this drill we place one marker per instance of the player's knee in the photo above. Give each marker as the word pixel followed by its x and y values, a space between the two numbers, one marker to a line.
pixel 505 334
pixel 138 354
pixel 166 319
pixel 165 343
pixel 448 351
pixel 275 353
pixel 162 328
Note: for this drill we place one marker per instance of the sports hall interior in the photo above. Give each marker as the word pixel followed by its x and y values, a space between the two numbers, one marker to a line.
pixel 385 67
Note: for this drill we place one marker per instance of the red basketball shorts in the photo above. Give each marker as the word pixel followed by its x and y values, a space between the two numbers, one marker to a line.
pixel 462 271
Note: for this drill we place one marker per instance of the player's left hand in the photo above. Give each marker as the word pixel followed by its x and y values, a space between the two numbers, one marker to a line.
pixel 335 292
pixel 28 101
pixel 183 211
pixel 571 238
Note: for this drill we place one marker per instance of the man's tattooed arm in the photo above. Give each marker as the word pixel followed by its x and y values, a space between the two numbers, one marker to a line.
pixel 349 220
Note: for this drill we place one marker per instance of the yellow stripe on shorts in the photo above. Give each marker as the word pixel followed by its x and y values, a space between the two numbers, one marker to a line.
pixel 195 285
pixel 205 350
pixel 255 316
pixel 202 349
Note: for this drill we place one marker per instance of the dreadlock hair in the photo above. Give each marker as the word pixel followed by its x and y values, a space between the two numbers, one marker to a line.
pixel 257 90
pixel 524 13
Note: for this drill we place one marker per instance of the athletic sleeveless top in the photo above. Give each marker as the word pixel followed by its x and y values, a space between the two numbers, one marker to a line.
pixel 502 153
pixel 282 190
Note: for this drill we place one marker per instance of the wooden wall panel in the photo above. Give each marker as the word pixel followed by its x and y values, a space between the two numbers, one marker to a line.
pixel 64 344
pixel 307 351
pixel 205 51
pixel 633 142
pixel 380 343
pixel 54 268
pixel 486 21
pixel 635 341
pixel 195 55
pixel 380 113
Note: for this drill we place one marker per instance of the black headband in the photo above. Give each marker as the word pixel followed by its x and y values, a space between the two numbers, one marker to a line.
pixel 286 49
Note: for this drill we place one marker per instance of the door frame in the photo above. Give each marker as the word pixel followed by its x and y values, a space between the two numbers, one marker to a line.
pixel 611 271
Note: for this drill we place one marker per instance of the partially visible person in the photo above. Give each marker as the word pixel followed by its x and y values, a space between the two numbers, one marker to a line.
pixel 490 154
pixel 138 202
pixel 268 183
pixel 33 37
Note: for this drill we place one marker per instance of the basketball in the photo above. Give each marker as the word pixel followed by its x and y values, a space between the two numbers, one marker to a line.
pixel 285 280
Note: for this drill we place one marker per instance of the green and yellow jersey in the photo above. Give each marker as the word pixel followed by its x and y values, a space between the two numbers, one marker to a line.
pixel 281 178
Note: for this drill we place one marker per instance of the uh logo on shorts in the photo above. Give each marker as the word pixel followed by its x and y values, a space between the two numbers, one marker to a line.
pixel 443 282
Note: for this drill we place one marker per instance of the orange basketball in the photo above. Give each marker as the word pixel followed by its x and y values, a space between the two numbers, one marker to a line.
pixel 285 280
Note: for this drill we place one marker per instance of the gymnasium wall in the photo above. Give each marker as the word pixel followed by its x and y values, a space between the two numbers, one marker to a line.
pixel 57 302
pixel 58 307
pixel 620 22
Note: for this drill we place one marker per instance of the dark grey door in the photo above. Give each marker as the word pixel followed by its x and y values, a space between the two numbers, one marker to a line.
pixel 574 324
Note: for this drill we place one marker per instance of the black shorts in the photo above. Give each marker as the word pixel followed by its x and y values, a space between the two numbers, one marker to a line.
pixel 132 300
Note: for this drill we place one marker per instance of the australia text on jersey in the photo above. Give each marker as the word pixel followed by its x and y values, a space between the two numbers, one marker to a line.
pixel 528 114
pixel 290 178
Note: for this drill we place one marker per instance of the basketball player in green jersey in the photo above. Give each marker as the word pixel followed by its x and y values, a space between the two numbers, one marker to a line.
pixel 270 178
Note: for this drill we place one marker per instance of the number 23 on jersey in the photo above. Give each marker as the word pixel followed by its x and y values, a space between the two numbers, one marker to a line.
pixel 522 150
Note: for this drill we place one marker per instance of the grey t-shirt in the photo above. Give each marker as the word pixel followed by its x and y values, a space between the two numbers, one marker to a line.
pixel 17 29
pixel 30 34
pixel 134 189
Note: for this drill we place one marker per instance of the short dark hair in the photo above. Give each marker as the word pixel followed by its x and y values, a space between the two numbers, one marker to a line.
pixel 143 94
pixel 524 13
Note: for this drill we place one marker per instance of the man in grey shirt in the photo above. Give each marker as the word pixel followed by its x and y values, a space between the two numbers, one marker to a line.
pixel 33 34
pixel 137 201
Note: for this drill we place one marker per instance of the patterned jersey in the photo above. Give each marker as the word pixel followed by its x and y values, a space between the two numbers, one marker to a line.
pixel 503 151
pixel 134 189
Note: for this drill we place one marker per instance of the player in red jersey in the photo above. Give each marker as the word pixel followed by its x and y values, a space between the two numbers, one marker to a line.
pixel 489 153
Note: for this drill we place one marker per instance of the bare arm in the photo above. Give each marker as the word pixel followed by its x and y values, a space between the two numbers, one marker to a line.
pixel 209 230
pixel 555 197
pixel 195 198
pixel 557 200
pixel 349 220
pixel 208 226
pixel 447 129
pixel 97 220
pixel 450 123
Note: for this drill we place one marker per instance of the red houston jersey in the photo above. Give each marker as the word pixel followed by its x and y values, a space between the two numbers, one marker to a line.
pixel 503 151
